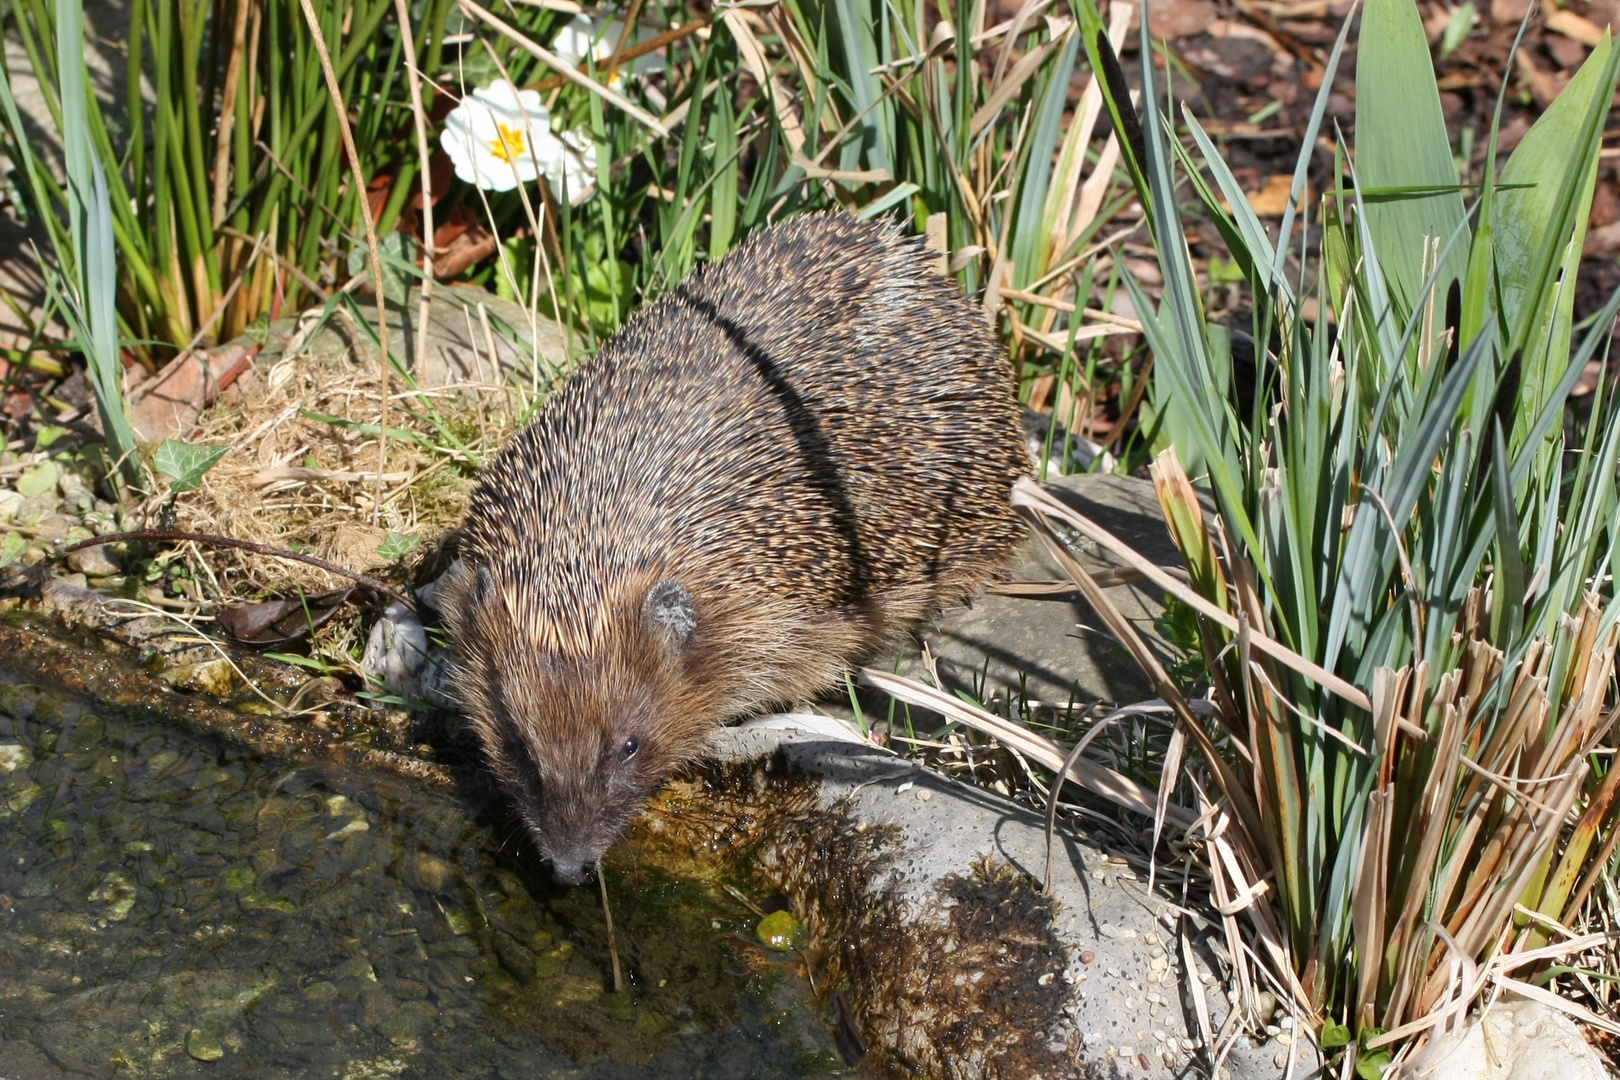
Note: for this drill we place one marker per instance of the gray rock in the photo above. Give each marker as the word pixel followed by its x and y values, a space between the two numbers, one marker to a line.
pixel 456 350
pixel 93 562
pixel 52 528
pixel 1057 647
pixel 1114 998
pixel 76 494
pixel 401 657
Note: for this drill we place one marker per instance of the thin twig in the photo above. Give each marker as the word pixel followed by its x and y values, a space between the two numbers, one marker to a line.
pixel 282 264
pixel 243 545
pixel 613 945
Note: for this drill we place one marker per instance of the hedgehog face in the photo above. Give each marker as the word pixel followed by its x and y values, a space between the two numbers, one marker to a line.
pixel 575 799
pixel 577 741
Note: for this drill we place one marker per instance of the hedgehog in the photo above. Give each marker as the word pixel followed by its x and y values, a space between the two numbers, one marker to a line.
pixel 767 476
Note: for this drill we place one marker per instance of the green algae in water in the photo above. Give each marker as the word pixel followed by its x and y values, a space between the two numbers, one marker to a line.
pixel 173 907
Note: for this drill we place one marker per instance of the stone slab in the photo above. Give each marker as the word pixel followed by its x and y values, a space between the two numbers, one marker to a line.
pixel 1512 1039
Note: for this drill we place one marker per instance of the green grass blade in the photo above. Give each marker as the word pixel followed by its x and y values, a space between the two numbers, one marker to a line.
pixel 1245 237
pixel 1029 242
pixel 723 197
pixel 1534 224
pixel 1307 148
pixel 1510 563
pixel 1401 140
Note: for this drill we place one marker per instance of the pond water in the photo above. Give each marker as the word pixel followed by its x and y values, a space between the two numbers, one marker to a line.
pixel 172 906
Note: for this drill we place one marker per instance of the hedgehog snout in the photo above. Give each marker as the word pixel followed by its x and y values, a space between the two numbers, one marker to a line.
pixel 568 871
pixel 580 815
pixel 570 850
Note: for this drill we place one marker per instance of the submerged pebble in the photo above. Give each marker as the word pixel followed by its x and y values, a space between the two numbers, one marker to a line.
pixel 428 872
pixel 408 1023
pixel 204 1046
pixel 117 893
pixel 14 756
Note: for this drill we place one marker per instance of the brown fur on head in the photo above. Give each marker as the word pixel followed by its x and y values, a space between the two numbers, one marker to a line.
pixel 579 738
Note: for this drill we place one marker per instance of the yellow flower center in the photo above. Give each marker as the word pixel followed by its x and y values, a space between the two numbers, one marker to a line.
pixel 508 144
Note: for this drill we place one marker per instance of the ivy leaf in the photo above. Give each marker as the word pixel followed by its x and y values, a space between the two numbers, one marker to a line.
pixel 398 545
pixel 185 464
pixel 1334 1034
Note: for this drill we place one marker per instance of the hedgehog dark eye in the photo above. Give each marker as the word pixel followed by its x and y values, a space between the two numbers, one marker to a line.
pixel 629 749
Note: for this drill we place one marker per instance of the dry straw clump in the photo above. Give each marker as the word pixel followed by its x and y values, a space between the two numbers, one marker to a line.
pixel 302 471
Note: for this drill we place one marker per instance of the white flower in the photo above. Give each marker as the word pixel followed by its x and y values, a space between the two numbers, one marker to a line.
pixel 572 158
pixel 499 136
pixel 597 38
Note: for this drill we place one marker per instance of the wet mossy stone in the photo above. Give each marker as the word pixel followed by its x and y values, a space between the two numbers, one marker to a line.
pixel 515 957
pixel 781 931
pixel 410 1022
pixel 321 991
pixel 204 1046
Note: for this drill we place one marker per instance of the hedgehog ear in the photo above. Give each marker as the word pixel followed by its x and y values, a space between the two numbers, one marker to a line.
pixel 483 587
pixel 669 612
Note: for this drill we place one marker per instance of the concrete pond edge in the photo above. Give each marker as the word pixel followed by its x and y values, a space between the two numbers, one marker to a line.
pixel 924 896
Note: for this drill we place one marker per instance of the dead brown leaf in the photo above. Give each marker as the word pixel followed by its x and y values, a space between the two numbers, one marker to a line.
pixel 276 622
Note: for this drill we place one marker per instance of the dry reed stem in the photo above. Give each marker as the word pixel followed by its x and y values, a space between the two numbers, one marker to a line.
pixel 1102 781
pixel 227 114
pixel 402 12
pixel 754 61
pixel 1027 493
pixel 372 247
